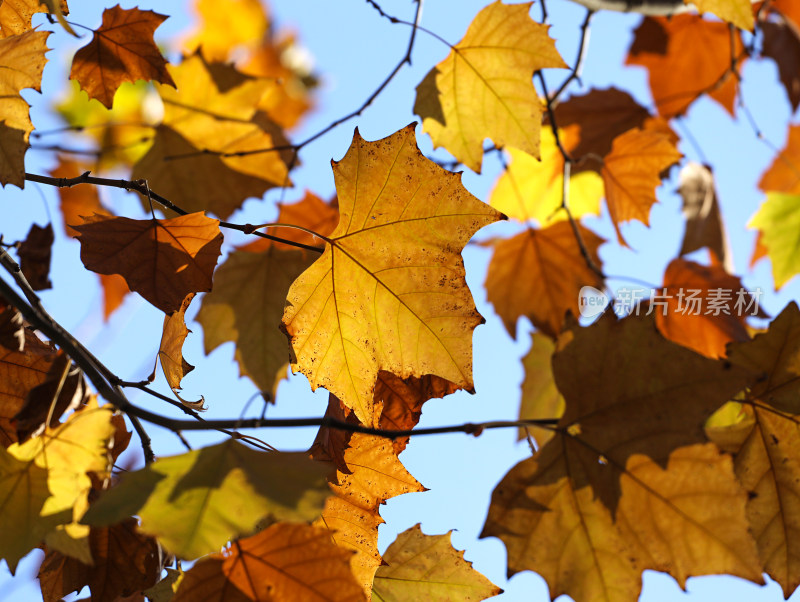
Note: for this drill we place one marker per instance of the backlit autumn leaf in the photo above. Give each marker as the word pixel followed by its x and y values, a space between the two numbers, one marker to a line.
pixel 782 45
pixel 125 562
pixel 539 273
pixel 591 122
pixel 20 371
pixel 22 61
pixel 631 174
pixel 534 189
pixel 540 397
pixel 351 513
pixel 686 57
pixel 388 292
pixel 483 88
pixel 418 566
pixel 628 483
pixel 778 224
pixel 170 351
pixel 44 485
pixel 784 173
pixel 162 260
pixel 16 15
pixel 76 200
pixel 763 445
pixel 702 307
pixel 34 256
pixel 201 121
pixel 225 25
pixel 289 561
pixel 121 50
pixel 738 12
pixel 195 502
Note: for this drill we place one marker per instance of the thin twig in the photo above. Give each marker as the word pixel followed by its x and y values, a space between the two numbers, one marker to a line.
pixel 576 70
pixel 142 188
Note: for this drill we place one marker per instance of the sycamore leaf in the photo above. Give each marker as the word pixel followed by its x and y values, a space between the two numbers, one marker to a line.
pixel 388 292
pixel 738 12
pixel 554 272
pixel 121 50
pixel 22 61
pixel 540 397
pixel 20 371
pixel 702 307
pixel 125 562
pixel 226 24
pixel 195 502
pixel 418 566
pixel 592 121
pixel 778 223
pixel 162 260
pixel 764 442
pixel 483 88
pixel 631 174
pixel 205 582
pixel 375 476
pixel 704 226
pixel 170 351
pixel 291 562
pixel 686 57
pixel 76 200
pixel 16 15
pixel 267 269
pixel 782 45
pixel 34 256
pixel 532 189
pixel 782 175
pixel 628 482
pixel 44 483
pixel 202 120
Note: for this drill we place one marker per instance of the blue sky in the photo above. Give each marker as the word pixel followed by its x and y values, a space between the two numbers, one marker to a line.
pixel 353 49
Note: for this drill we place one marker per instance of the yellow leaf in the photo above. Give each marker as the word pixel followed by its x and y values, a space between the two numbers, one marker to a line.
pixel 540 397
pixel 22 61
pixel 389 292
pixel 531 189
pixel 418 566
pixel 16 15
pixel 225 25
pixel 44 482
pixel 483 89
pixel 738 12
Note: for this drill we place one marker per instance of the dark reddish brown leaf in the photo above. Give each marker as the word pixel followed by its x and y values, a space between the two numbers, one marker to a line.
pixel 162 260
pixel 686 57
pixel 12 328
pixel 125 563
pixel 34 256
pixel 701 210
pixel 782 45
pixel 122 50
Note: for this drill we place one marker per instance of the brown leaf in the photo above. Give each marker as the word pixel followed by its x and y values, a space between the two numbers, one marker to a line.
pixel 170 352
pixel 783 175
pixel 16 15
pixel 703 219
pixel 686 57
pixel 125 563
pixel 34 256
pixel 122 50
pixel 782 45
pixel 12 328
pixel 702 308
pixel 628 483
pixel 592 121
pixel 63 389
pixel 162 260
pixel 330 443
pixel 632 172
pixel 205 582
pixel 21 371
pixel 539 273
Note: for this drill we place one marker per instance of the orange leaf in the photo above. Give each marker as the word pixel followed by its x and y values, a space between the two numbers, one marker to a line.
pixel 759 250
pixel 122 50
pixel 76 200
pixel 162 260
pixel 631 174
pixel 700 307
pixel 115 289
pixel 686 57
pixel 125 562
pixel 170 352
pixel 784 173
pixel 554 273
